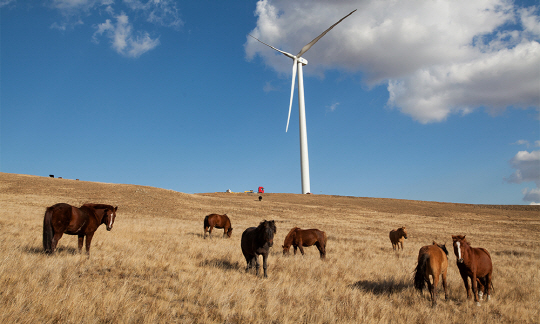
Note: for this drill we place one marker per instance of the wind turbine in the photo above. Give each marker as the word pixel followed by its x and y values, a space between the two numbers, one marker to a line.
pixel 298 61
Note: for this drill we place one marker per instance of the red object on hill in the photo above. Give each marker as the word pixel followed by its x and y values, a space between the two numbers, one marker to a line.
pixel 261 190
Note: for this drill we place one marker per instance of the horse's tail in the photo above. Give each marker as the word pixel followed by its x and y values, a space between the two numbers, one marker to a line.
pixel 206 224
pixel 419 272
pixel 47 230
pixel 325 239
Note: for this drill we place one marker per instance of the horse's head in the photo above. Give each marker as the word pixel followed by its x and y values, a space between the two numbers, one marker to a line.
pixel 404 232
pixel 459 241
pixel 286 250
pixel 229 232
pixel 269 229
pixel 109 217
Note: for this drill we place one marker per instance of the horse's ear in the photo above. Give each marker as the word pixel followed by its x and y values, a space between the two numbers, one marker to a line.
pixel 434 243
pixel 115 209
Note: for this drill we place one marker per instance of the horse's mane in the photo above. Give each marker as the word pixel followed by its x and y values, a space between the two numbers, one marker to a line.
pixel 288 237
pixel 271 224
pixel 442 247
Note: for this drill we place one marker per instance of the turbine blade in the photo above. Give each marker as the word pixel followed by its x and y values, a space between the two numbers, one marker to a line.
pixel 292 92
pixel 272 47
pixel 308 46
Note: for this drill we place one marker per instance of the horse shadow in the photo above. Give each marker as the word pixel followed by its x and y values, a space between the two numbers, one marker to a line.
pixel 220 264
pixel 384 287
pixel 61 249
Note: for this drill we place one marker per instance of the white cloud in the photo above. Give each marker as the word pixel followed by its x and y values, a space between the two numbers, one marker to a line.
pixel 527 167
pixel 333 107
pixel 122 39
pixel 4 3
pixel 532 196
pixel 437 57
pixel 126 38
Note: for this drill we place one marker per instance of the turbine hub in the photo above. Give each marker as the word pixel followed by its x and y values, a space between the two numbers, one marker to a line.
pixel 302 60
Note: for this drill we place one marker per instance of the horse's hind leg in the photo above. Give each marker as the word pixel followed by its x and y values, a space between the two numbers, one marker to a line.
pixel 445 285
pixel 322 250
pixel 205 231
pixel 432 291
pixel 55 240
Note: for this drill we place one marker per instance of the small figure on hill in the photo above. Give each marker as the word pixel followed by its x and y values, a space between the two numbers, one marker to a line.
pixel 299 238
pixel 217 221
pixel 396 237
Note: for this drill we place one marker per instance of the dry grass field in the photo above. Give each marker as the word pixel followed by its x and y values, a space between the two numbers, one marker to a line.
pixel 155 266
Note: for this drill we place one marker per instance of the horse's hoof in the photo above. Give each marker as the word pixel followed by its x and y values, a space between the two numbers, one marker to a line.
pixel 478 304
pixel 488 297
pixel 480 296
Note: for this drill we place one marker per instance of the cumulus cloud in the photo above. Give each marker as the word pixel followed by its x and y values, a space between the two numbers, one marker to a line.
pixel 126 38
pixel 527 165
pixel 122 39
pixel 437 58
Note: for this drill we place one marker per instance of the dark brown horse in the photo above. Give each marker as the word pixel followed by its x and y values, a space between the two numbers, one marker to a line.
pixel 432 261
pixel 396 237
pixel 299 238
pixel 217 221
pixel 474 263
pixel 256 241
pixel 83 221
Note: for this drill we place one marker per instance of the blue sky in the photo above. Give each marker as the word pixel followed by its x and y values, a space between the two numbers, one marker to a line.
pixel 413 100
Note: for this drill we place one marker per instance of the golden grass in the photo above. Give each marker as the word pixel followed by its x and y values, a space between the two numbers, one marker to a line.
pixel 155 267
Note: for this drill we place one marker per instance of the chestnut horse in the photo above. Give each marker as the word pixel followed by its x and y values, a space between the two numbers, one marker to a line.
pixel 217 221
pixel 83 221
pixel 299 238
pixel 432 261
pixel 474 263
pixel 256 241
pixel 396 237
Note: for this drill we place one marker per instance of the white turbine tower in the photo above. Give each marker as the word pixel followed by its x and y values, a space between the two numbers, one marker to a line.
pixel 297 65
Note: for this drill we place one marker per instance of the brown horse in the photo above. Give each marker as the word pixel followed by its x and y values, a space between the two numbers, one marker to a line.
pixel 432 261
pixel 83 221
pixel 217 221
pixel 474 263
pixel 256 241
pixel 299 238
pixel 396 237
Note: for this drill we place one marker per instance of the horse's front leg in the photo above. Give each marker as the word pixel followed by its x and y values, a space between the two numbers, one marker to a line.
pixel 81 240
pixel 265 264
pixel 295 247
pixel 88 242
pixel 210 231
pixel 475 288
pixel 301 248
pixel 257 264
pixel 466 283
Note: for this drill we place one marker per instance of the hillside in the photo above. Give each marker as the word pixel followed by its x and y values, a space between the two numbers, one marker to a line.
pixel 156 262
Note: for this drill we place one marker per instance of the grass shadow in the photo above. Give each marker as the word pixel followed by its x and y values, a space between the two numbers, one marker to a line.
pixel 39 250
pixel 385 287
pixel 220 264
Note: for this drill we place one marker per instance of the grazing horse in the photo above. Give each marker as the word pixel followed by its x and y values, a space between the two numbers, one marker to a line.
pixel 83 221
pixel 474 263
pixel 299 238
pixel 256 241
pixel 396 237
pixel 217 221
pixel 432 261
